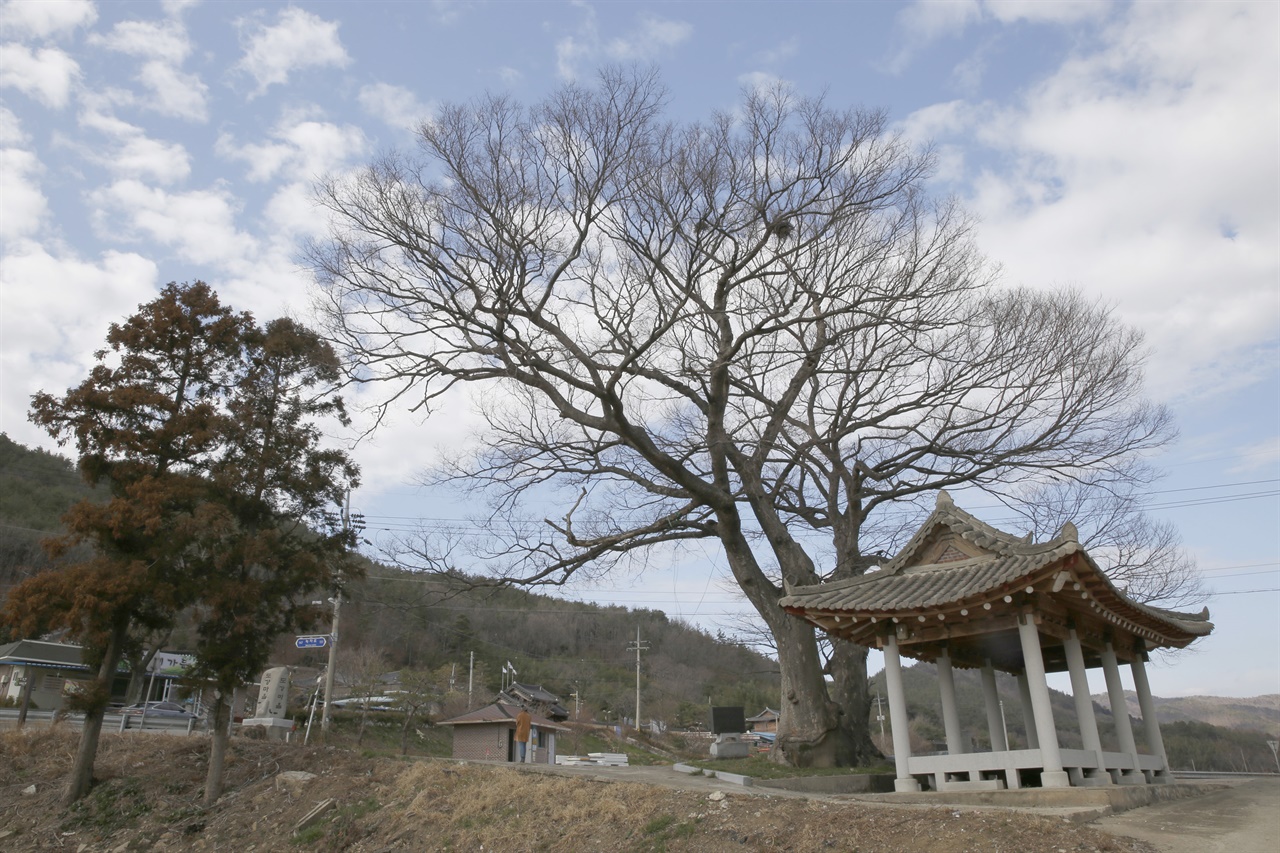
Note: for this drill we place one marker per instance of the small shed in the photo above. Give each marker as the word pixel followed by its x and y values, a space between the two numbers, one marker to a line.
pixel 489 734
pixel 964 594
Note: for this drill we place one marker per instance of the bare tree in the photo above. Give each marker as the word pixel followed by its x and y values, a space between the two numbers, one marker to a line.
pixel 759 330
pixel 361 670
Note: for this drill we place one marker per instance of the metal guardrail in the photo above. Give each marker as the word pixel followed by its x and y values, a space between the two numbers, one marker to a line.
pixel 110 723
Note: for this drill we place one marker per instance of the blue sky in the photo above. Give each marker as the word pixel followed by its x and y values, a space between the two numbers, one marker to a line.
pixel 1129 150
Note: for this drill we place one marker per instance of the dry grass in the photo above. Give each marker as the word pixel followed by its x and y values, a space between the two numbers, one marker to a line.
pixel 149 789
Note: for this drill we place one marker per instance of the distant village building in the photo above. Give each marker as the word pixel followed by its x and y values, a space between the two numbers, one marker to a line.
pixel 50 671
pixel 962 593
pixel 536 699
pixel 766 721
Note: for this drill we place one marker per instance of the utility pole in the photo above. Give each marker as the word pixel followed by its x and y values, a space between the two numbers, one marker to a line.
pixel 638 648
pixel 471 677
pixel 333 661
pixel 347 527
pixel 880 716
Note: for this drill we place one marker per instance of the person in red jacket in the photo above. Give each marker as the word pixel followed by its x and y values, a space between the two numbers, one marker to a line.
pixel 524 723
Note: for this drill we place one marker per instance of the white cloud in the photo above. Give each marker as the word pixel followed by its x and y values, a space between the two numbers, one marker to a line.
pixel 759 80
pixel 303 148
pixel 926 21
pixel 133 154
pixel 49 339
pixel 395 105
pixel 45 18
pixel 1046 11
pixel 198 225
pixel 298 40
pixel 164 40
pixel 24 206
pixel 174 91
pixel 1147 170
pixel 164 46
pixel 650 39
pixel 45 74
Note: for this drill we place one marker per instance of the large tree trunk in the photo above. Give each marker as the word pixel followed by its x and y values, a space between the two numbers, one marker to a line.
pixel 811 732
pixel 81 779
pixel 219 726
pixel 851 692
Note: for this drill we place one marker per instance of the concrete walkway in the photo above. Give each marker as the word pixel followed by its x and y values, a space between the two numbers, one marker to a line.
pixel 1242 817
pixel 1078 805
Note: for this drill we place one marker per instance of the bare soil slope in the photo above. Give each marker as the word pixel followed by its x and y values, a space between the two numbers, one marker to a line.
pixel 150 786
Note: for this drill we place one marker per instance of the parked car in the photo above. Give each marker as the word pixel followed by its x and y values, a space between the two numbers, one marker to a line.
pixel 159 709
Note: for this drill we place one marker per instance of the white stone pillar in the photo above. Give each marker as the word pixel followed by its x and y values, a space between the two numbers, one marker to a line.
pixel 1028 716
pixel 1119 709
pixel 1052 776
pixel 995 719
pixel 1150 725
pixel 898 716
pixel 1084 702
pixel 950 712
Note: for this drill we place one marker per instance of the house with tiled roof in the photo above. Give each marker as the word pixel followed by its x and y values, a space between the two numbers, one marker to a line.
pixel 766 721
pixel 536 699
pixel 489 734
pixel 962 593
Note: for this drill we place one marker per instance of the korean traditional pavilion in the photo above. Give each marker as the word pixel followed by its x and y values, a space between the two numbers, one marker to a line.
pixel 963 594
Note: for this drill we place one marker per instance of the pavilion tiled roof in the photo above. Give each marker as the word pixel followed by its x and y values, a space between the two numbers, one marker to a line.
pixel 956 560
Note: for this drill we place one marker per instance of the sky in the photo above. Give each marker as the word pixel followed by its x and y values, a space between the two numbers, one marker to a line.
pixel 1131 151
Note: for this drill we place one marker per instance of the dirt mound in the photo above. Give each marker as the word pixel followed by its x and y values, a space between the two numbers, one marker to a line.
pixel 147 798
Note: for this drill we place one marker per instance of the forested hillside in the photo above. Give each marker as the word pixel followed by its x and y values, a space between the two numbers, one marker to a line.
pixel 395 620
pixel 36 488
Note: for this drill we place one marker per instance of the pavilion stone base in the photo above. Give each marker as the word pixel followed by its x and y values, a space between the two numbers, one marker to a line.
pixel 906 786
pixel 1055 779
pixel 995 771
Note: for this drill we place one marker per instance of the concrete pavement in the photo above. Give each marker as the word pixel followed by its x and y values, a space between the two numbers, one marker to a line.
pixel 1243 817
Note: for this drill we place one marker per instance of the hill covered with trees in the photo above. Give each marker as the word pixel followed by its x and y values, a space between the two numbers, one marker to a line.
pixel 395 620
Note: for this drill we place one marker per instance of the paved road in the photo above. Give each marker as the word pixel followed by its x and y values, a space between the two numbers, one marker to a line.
pixel 1244 818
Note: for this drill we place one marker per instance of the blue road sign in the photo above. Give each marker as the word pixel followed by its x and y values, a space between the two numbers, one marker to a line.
pixel 312 642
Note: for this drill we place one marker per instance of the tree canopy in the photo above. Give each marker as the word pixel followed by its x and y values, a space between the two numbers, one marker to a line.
pixel 204 427
pixel 761 330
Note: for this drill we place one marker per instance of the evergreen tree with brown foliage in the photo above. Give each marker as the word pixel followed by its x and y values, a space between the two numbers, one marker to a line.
pixel 202 426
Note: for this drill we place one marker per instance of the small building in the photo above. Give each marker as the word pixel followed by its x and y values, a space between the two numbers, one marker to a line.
pixel 52 671
pixel 489 734
pixel 49 672
pixel 764 722
pixel 962 593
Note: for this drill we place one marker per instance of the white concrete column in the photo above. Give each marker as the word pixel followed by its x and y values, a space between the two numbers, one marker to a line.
pixel 1028 715
pixel 950 712
pixel 1120 713
pixel 1150 725
pixel 1052 776
pixel 1119 709
pixel 1084 702
pixel 898 716
pixel 995 719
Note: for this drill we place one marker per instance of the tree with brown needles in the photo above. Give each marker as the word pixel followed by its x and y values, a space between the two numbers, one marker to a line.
pixel 202 426
pixel 760 330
